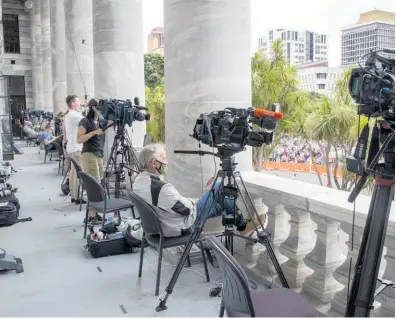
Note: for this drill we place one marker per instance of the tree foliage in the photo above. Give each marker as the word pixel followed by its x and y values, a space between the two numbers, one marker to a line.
pixel 156 105
pixel 154 81
pixel 153 69
pixel 273 81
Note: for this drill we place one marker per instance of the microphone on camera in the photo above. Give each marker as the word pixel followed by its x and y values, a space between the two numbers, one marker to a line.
pixel 261 113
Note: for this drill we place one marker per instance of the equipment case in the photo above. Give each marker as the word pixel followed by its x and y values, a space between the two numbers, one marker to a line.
pixel 115 244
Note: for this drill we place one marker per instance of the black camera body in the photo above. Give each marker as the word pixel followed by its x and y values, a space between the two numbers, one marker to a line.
pixel 373 86
pixel 232 128
pixel 122 112
pixel 41 114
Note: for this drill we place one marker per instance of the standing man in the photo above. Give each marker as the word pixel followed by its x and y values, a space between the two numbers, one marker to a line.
pixel 73 148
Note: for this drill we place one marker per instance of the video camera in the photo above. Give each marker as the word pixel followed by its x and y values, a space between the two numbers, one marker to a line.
pixel 233 128
pixel 41 114
pixel 373 86
pixel 122 112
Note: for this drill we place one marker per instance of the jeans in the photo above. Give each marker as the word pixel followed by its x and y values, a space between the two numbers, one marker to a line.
pixel 226 205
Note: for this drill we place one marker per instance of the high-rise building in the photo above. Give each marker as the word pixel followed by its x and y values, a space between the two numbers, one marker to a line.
pixel 373 31
pixel 318 77
pixel 299 46
pixel 156 41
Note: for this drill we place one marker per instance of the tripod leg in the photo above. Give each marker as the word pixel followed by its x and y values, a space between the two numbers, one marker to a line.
pixel 250 201
pixel 373 250
pixel 262 236
pixel 204 261
pixel 199 224
pixel 359 261
pixel 222 309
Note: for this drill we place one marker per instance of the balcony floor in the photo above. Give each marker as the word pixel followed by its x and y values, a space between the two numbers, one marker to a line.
pixel 61 279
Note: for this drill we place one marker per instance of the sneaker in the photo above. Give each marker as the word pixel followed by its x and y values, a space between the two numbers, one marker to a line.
pixel 73 200
pixel 78 201
pixel 250 226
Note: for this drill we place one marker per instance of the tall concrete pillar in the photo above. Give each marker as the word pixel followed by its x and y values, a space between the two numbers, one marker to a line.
pixel 207 68
pixel 37 69
pixel 79 48
pixel 118 56
pixel 58 59
pixel 46 54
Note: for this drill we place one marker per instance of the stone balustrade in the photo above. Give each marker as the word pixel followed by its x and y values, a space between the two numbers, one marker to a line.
pixel 311 228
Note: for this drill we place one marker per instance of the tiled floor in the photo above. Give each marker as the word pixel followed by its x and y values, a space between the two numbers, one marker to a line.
pixel 60 277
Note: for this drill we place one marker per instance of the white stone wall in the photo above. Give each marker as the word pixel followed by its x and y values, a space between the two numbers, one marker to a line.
pixel 308 81
pixel 23 64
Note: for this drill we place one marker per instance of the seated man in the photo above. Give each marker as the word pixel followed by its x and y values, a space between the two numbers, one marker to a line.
pixel 179 213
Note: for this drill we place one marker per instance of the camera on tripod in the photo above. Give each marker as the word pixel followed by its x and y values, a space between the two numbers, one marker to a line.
pixel 233 127
pixel 373 88
pixel 122 112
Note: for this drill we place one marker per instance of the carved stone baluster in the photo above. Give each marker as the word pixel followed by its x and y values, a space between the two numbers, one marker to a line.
pixel 297 245
pixel 252 251
pixel 341 274
pixel 323 259
pixel 275 227
pixel 387 297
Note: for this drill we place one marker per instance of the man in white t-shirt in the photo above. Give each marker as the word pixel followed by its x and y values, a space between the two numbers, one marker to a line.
pixel 73 148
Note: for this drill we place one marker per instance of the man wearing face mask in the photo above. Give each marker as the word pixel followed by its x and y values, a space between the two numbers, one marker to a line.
pixel 179 213
pixel 91 135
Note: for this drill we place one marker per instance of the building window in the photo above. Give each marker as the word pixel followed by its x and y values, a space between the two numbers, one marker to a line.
pixel 11 33
pixel 288 35
pixel 271 35
pixel 321 86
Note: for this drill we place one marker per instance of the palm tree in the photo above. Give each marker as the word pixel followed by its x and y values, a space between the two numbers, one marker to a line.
pixel 273 81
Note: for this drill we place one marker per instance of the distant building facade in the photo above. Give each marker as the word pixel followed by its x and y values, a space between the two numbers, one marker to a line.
pixel 318 77
pixel 156 41
pixel 299 46
pixel 374 30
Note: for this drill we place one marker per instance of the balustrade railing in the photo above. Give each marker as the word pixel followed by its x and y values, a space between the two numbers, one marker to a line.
pixel 315 246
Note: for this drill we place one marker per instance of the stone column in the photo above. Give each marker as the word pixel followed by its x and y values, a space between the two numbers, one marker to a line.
pixel 276 228
pixel 79 48
pixel 46 54
pixel 207 68
pixel 387 297
pixel 341 274
pixel 325 257
pixel 298 244
pixel 118 57
pixel 37 70
pixel 58 41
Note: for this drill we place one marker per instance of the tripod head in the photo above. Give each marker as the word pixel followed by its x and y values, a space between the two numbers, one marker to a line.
pixel 225 154
pixel 383 133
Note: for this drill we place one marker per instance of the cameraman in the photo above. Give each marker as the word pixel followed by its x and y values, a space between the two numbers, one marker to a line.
pixel 91 135
pixel 179 213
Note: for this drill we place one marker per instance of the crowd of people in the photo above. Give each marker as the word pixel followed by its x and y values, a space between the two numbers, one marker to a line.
pixel 294 150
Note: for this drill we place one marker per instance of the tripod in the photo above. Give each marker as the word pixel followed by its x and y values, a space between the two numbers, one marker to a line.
pixel 229 188
pixel 364 283
pixel 122 146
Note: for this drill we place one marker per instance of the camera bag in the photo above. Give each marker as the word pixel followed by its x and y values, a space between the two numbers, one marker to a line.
pixel 112 244
pixel 8 213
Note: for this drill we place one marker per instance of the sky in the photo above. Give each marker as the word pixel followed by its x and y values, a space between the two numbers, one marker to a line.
pixel 327 16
